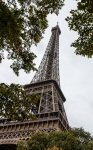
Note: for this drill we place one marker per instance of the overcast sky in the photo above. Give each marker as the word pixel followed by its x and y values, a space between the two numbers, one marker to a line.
pixel 76 72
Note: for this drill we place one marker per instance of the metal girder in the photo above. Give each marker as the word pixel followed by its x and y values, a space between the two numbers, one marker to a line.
pixel 50 112
pixel 49 66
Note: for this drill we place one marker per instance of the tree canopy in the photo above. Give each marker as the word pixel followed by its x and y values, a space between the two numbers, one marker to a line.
pixel 22 23
pixel 16 103
pixel 73 139
pixel 81 21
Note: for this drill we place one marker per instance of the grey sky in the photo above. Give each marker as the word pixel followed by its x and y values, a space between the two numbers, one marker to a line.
pixel 76 72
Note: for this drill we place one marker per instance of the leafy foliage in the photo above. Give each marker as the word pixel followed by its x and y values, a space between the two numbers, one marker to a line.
pixel 16 103
pixel 81 21
pixel 22 24
pixel 54 148
pixel 74 139
pixel 84 138
pixel 22 145
pixel 38 141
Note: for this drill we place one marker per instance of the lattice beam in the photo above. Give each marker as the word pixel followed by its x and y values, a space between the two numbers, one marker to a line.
pixel 49 67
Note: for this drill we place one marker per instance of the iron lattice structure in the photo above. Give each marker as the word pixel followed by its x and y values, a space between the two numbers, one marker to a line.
pixel 49 111
pixel 47 78
pixel 49 66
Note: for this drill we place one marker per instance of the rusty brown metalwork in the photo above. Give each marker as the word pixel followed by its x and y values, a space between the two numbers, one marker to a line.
pixel 50 112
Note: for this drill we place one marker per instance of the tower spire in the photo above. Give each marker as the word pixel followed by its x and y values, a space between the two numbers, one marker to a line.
pixel 49 66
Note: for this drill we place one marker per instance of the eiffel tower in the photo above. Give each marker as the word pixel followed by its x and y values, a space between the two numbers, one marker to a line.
pixel 49 111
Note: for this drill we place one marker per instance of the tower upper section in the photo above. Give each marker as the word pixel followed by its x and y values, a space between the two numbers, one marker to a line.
pixel 49 66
